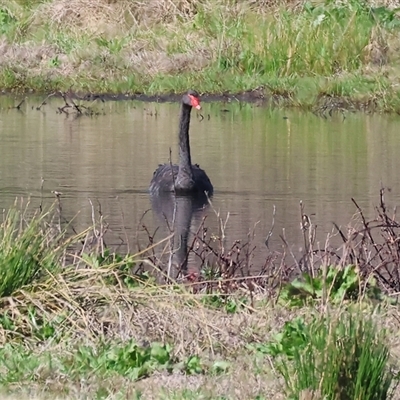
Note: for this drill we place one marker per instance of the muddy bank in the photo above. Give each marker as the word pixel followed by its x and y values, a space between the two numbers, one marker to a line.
pixel 258 95
pixel 325 105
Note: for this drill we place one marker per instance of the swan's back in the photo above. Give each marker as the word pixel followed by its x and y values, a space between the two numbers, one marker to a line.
pixel 164 180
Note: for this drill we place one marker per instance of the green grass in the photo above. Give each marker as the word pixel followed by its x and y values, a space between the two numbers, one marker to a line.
pixel 29 250
pixel 326 48
pixel 344 357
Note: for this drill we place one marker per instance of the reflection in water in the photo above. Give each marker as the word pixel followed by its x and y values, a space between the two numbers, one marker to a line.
pixel 177 214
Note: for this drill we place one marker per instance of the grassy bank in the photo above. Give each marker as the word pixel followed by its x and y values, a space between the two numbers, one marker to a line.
pixel 79 321
pixel 308 54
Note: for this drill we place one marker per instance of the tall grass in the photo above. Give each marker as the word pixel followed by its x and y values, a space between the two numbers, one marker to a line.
pixel 29 249
pixel 346 358
pixel 316 41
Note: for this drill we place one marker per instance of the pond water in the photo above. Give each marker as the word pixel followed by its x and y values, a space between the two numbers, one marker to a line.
pixel 256 158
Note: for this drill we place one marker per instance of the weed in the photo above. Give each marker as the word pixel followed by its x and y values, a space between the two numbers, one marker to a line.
pixel 193 365
pixel 293 337
pixel 6 21
pixel 227 303
pixel 91 321
pixel 128 359
pixel 219 367
pixel 55 62
pixel 336 284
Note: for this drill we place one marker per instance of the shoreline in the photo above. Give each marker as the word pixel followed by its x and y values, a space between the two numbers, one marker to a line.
pixel 260 96
pixel 251 51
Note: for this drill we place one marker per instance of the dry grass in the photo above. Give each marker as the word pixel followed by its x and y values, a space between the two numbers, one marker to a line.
pixel 159 61
pixel 104 16
pixel 30 54
pixel 93 309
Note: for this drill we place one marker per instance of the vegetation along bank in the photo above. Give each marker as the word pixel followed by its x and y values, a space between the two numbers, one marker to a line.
pixel 312 54
pixel 79 321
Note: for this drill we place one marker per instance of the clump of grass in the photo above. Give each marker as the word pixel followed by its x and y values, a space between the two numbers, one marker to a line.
pixel 343 357
pixel 29 249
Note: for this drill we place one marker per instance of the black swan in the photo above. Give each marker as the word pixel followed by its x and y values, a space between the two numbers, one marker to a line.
pixel 184 178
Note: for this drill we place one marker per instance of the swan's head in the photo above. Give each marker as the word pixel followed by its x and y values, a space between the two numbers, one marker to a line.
pixel 191 98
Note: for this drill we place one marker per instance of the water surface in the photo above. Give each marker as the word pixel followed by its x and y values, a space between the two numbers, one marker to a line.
pixel 256 158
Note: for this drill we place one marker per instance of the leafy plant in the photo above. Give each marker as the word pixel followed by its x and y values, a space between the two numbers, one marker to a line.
pixel 129 359
pixel 55 62
pixel 6 20
pixel 41 329
pixel 219 367
pixel 221 301
pixel 193 365
pixel 6 322
pixel 18 363
pixel 114 45
pixel 339 284
pixel 292 337
pixel 386 16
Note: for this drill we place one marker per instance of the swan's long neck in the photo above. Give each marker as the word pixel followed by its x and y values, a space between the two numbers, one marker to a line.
pixel 184 179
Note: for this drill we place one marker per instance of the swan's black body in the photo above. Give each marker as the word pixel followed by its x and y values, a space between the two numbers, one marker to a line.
pixel 166 179
pixel 184 178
